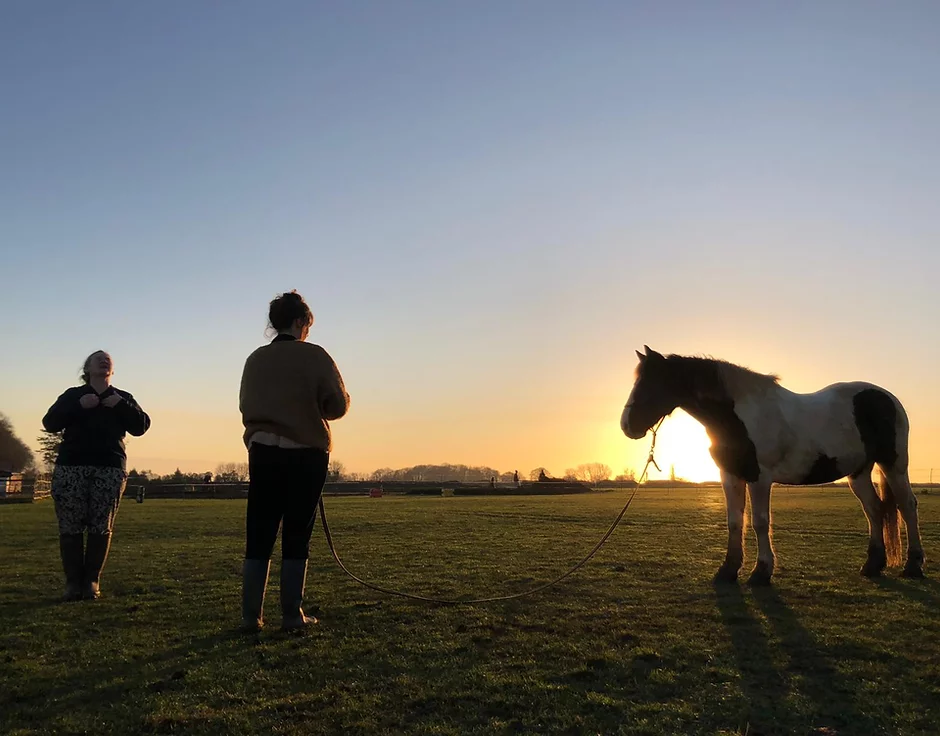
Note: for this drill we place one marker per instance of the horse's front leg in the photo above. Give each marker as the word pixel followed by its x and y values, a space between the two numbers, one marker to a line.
pixel 759 492
pixel 735 495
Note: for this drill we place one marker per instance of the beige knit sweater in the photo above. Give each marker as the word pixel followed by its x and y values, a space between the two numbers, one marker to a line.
pixel 292 388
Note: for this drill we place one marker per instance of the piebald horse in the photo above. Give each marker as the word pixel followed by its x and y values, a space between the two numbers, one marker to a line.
pixel 763 434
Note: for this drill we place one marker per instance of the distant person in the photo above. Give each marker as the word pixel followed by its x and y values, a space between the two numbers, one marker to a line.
pixel 90 470
pixel 515 477
pixel 542 476
pixel 290 390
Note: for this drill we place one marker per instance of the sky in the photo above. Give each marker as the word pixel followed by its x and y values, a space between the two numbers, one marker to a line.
pixel 488 205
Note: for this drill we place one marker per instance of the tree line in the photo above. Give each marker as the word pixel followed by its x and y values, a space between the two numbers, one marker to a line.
pixel 15 456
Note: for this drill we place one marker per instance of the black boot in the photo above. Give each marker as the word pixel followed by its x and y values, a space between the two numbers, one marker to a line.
pixel 293 577
pixel 254 582
pixel 96 552
pixel 72 550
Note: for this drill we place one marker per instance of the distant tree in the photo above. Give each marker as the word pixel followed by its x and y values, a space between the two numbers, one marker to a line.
pixel 335 471
pixel 49 448
pixel 627 474
pixel 382 474
pixel 14 454
pixel 231 473
pixel 595 472
pixel 534 474
pixel 571 474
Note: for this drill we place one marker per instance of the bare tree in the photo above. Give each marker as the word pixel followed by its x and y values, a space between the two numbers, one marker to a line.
pixel 534 474
pixel 593 473
pixel 336 470
pixel 231 472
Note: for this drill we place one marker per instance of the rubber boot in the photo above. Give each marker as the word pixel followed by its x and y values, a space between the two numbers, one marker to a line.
pixel 293 577
pixel 96 552
pixel 254 582
pixel 72 550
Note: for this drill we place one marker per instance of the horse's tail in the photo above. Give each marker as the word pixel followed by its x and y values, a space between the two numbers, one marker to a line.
pixel 889 514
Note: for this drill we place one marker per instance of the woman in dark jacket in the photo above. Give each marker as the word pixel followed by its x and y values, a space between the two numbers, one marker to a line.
pixel 90 474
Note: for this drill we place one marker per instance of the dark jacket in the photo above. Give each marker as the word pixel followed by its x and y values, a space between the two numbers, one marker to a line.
pixel 95 436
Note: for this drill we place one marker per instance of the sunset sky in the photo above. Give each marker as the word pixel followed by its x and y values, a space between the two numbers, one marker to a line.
pixel 489 206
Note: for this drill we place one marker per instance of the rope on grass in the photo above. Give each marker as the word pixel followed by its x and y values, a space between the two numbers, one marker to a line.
pixel 471 601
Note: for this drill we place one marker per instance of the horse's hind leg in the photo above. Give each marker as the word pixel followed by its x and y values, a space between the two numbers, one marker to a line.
pixel 864 490
pixel 900 485
pixel 735 497
pixel 759 492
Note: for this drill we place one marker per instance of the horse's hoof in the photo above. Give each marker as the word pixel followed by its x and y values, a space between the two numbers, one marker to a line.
pixel 875 563
pixel 913 571
pixel 760 576
pixel 726 575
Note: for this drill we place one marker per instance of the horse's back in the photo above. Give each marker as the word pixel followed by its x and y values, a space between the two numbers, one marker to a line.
pixel 862 397
pixel 832 432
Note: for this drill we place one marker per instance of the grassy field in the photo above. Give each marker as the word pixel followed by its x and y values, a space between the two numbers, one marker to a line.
pixel 638 642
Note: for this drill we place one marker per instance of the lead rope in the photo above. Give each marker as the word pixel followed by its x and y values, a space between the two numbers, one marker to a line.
pixel 650 460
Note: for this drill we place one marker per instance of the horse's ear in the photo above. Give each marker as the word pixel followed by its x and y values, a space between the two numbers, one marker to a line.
pixel 650 353
pixel 640 356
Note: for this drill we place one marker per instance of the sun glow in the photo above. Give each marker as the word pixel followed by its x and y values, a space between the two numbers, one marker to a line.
pixel 682 448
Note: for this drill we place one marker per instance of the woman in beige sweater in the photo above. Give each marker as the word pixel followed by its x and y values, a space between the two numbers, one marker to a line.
pixel 290 390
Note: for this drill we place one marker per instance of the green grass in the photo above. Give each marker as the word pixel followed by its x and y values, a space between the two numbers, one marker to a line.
pixel 637 642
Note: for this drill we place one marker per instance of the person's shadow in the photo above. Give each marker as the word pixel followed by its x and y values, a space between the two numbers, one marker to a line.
pixel 788 678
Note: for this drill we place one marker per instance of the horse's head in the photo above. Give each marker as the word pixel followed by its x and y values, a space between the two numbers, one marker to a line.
pixel 652 396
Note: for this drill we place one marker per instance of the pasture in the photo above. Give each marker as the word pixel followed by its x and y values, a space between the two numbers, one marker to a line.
pixel 638 642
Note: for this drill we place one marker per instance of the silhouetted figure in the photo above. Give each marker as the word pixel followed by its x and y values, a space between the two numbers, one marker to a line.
pixel 289 447
pixel 90 470
pixel 515 477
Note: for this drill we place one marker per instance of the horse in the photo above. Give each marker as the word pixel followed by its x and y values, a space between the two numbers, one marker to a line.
pixel 763 433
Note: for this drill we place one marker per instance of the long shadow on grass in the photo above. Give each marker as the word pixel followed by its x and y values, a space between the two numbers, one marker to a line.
pixel 762 684
pixel 789 661
pixel 926 592
pixel 113 685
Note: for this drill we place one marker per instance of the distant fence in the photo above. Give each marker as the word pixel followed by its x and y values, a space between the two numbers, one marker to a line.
pixel 17 488
pixel 154 490
pixel 21 489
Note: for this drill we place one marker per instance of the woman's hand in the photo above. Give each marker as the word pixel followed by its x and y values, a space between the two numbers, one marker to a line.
pixel 112 401
pixel 89 401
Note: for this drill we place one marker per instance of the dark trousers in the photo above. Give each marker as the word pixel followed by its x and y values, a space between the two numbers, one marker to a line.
pixel 283 485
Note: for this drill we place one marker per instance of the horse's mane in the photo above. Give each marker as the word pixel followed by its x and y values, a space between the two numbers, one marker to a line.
pixel 711 376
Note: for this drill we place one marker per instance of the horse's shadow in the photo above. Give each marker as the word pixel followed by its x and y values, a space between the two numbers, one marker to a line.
pixel 926 592
pixel 788 678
